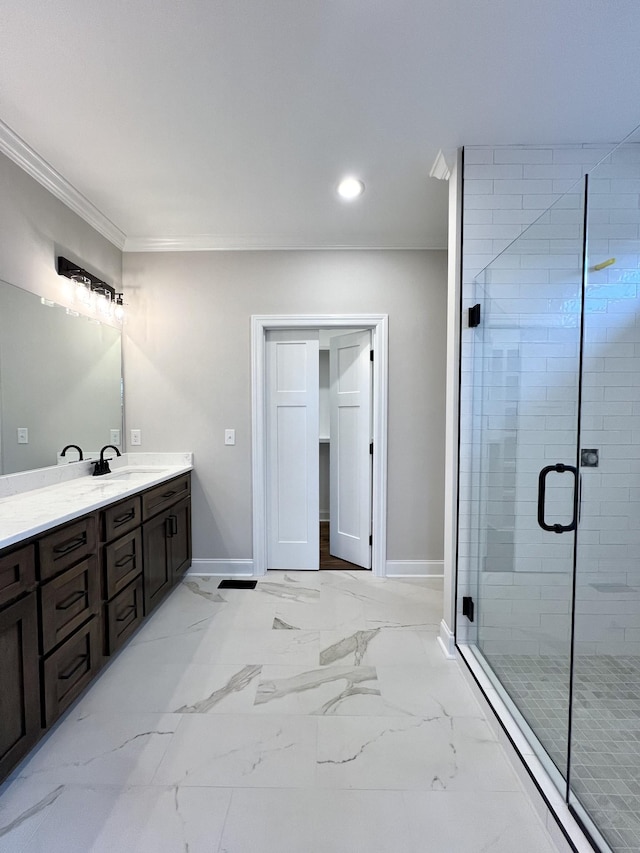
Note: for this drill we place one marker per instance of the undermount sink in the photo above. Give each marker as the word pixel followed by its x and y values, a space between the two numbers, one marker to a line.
pixel 133 474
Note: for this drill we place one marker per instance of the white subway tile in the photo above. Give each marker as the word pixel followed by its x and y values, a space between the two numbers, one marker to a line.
pixel 522 154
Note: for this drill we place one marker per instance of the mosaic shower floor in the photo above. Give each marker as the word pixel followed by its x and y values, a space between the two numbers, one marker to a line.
pixel 605 760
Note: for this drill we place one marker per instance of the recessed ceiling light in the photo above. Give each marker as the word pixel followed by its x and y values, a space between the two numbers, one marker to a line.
pixel 350 188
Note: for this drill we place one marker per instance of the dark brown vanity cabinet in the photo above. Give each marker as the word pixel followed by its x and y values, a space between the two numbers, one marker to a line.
pixel 166 538
pixel 71 596
pixel 20 689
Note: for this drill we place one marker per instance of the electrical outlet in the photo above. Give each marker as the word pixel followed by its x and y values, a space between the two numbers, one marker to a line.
pixel 229 436
pixel 114 437
pixel 136 437
pixel 23 435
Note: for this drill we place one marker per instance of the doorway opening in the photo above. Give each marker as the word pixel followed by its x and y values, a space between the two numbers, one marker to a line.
pixel 287 434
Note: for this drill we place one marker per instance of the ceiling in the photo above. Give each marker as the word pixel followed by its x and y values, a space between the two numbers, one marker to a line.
pixel 228 123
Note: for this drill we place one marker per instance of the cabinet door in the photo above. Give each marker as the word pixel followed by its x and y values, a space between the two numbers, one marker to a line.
pixel 180 539
pixel 157 570
pixel 20 693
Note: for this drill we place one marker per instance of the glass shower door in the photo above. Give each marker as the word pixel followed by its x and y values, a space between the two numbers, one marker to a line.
pixel 605 741
pixel 525 425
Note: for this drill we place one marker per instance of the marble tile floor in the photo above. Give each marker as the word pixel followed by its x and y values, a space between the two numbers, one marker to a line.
pixel 314 714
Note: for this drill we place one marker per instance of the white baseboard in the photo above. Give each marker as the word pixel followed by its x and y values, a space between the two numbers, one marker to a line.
pixel 324 516
pixel 415 568
pixel 447 640
pixel 222 568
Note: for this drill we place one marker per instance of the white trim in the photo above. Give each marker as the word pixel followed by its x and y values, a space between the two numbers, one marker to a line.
pixel 254 243
pixel 222 568
pixel 379 325
pixel 33 164
pixel 447 641
pixel 324 515
pixel 415 568
pixel 451 453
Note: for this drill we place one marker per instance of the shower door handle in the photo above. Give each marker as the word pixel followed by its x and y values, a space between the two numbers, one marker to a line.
pixel 558 468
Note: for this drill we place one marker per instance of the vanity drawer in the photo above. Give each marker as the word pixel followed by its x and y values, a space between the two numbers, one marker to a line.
pixel 121 518
pixel 122 562
pixel 70 668
pixel 165 495
pixel 68 601
pixel 17 574
pixel 124 614
pixel 67 545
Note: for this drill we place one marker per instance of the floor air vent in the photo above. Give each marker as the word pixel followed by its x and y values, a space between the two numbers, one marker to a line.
pixel 231 584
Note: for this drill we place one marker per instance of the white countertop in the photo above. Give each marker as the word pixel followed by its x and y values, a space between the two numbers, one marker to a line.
pixel 30 512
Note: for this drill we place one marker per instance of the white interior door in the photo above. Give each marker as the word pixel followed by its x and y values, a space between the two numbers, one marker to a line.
pixel 292 398
pixel 350 465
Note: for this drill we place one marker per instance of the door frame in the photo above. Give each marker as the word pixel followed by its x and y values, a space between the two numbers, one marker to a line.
pixel 379 326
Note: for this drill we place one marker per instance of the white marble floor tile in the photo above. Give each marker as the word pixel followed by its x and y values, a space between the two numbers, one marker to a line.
pixel 331 690
pixel 330 612
pixel 409 753
pixel 262 647
pixel 314 714
pixel 24 804
pixel 372 647
pixel 279 821
pixel 114 749
pixel 427 691
pixel 241 751
pixel 104 819
pixel 475 822
pixel 270 821
pixel 173 687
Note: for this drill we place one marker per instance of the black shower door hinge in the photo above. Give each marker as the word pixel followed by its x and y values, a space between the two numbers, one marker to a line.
pixel 467 607
pixel 474 316
pixel 371 448
pixel 371 355
pixel 371 539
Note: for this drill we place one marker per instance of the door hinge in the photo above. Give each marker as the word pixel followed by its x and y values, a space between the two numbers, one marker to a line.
pixel 371 539
pixel 467 607
pixel 371 355
pixel 474 316
pixel 371 448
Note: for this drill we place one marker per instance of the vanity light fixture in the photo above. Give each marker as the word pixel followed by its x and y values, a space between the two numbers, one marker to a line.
pixel 91 290
pixel 350 188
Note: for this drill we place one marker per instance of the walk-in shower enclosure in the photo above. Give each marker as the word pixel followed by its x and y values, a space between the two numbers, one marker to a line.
pixel 549 523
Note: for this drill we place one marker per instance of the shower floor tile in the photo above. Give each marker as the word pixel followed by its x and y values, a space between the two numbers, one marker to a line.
pixel 605 753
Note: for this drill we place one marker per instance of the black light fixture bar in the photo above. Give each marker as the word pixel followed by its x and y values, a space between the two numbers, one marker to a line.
pixel 76 273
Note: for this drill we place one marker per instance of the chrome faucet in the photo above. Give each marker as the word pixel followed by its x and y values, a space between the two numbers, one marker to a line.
pixel 75 447
pixel 101 466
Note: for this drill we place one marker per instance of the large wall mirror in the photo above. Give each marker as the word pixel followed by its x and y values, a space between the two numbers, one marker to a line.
pixel 60 379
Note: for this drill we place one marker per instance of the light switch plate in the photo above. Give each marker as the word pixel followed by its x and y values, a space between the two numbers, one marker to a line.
pixel 136 437
pixel 23 435
pixel 229 436
pixel 114 437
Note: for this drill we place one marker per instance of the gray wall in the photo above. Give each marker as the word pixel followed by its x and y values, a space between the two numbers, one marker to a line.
pixel 35 227
pixel 187 373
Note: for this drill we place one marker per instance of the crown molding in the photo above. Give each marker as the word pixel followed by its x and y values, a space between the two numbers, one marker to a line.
pixel 33 164
pixel 216 243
